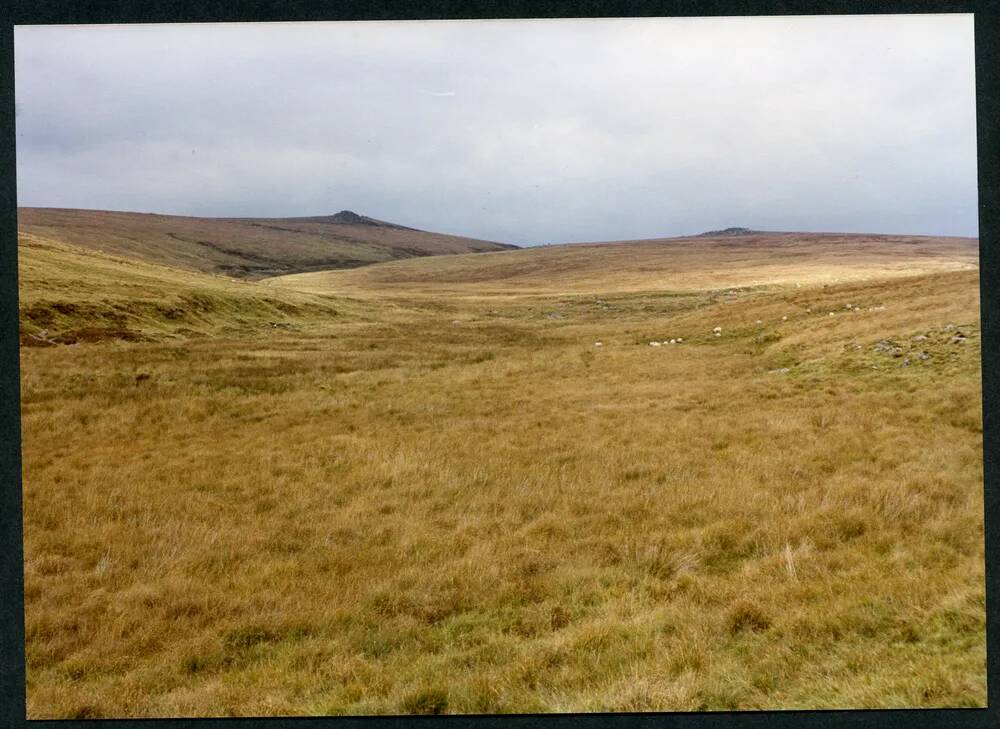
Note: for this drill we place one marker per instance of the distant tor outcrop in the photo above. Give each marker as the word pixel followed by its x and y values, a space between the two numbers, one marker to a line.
pixel 352 218
pixel 349 217
pixel 728 231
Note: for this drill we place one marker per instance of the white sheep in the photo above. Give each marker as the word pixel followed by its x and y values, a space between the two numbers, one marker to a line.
pixel 598 344
pixel 654 344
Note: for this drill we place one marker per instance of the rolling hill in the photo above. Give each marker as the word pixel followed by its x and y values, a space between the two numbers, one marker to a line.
pixel 676 264
pixel 248 248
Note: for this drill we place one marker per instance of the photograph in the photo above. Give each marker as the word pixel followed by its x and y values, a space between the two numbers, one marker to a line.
pixel 500 366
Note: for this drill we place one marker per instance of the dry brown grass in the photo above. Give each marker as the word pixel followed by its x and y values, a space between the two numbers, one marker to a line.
pixel 672 264
pixel 242 247
pixel 387 511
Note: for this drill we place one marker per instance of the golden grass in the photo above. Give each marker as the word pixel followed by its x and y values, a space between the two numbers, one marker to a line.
pixel 457 503
pixel 691 264
pixel 70 294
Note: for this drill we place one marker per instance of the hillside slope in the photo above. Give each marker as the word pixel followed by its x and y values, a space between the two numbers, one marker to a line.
pixel 69 294
pixel 678 264
pixel 244 247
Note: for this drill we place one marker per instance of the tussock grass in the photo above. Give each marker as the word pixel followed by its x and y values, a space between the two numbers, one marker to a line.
pixel 70 294
pixel 384 511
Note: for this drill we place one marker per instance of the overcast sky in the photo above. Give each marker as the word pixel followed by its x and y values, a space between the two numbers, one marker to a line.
pixel 520 131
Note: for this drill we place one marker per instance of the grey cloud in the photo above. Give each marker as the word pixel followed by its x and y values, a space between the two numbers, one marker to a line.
pixel 523 131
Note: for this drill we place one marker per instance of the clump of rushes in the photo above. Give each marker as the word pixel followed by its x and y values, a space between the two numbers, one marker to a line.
pixel 747 616
pixel 427 700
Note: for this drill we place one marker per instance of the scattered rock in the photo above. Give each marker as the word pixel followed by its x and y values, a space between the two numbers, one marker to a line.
pixel 780 371
pixel 33 340
pixel 923 356
pixel 759 322
pixel 919 338
pixel 784 318
pixel 887 346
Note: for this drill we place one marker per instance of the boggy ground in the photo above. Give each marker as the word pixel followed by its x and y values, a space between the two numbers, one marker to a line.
pixel 415 502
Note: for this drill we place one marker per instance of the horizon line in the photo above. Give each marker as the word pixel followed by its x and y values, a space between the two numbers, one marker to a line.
pixel 752 231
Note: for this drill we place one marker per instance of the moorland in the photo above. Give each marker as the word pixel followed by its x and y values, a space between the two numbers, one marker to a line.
pixel 729 472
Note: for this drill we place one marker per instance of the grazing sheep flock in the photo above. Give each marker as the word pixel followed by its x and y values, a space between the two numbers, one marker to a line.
pixel 717 332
